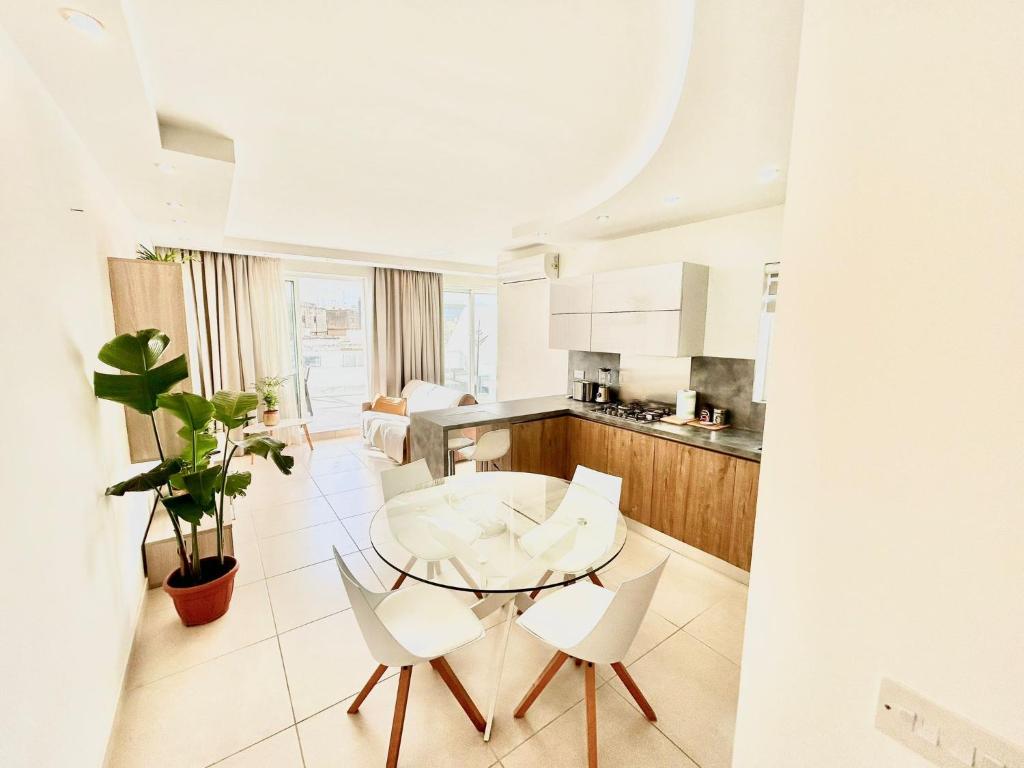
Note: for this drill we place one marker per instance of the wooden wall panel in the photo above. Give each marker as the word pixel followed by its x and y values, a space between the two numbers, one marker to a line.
pixel 540 446
pixel 150 294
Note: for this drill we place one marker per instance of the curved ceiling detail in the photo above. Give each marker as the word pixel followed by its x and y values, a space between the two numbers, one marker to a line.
pixel 417 129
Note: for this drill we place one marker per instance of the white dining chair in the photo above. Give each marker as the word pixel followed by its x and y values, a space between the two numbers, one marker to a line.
pixel 407 627
pixel 594 625
pixel 406 478
pixel 490 447
pixel 578 504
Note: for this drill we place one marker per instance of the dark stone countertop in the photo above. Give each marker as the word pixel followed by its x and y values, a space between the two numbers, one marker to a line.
pixel 740 443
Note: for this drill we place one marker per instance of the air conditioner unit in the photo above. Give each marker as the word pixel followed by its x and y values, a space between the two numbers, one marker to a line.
pixel 539 266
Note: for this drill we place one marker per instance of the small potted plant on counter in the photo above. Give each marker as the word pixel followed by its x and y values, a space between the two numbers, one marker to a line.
pixel 191 485
pixel 268 387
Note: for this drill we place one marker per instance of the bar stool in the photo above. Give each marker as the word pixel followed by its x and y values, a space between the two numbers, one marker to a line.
pixel 455 444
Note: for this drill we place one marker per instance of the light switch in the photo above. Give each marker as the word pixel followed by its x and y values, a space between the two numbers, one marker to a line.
pixel 927 731
pixel 907 717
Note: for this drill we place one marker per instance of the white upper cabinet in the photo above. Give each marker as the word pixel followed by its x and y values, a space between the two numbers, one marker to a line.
pixel 658 310
pixel 572 295
pixel 643 289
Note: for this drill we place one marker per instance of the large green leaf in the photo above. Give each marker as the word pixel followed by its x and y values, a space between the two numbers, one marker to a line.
pixel 183 505
pixel 232 408
pixel 147 481
pixel 201 485
pixel 236 484
pixel 268 447
pixel 140 391
pixel 194 411
pixel 205 445
pixel 135 353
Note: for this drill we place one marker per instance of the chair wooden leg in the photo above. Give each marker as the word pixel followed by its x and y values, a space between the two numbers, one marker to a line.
pixel 448 675
pixel 361 697
pixel 590 686
pixel 634 690
pixel 543 581
pixel 541 683
pixel 401 576
pixel 593 578
pixel 404 678
pixel 578 662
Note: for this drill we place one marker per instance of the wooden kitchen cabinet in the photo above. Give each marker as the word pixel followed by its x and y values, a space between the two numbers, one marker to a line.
pixel 540 446
pixel 741 540
pixel 631 457
pixel 587 445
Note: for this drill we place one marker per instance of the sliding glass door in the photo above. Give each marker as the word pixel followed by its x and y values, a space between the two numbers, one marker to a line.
pixel 471 342
pixel 328 318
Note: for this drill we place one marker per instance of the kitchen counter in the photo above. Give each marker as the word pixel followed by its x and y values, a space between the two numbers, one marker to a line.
pixel 429 428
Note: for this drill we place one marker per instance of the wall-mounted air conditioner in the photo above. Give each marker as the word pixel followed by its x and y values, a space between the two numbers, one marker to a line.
pixel 539 266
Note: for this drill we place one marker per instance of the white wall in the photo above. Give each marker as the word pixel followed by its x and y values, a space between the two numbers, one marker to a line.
pixel 890 523
pixel 736 248
pixel 70 575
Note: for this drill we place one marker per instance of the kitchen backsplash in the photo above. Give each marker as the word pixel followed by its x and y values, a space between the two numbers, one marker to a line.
pixel 723 382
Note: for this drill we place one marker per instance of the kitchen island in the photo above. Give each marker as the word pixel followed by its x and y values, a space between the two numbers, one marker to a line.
pixel 695 485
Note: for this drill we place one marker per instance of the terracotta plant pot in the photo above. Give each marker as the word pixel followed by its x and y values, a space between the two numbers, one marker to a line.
pixel 205 602
pixel 270 418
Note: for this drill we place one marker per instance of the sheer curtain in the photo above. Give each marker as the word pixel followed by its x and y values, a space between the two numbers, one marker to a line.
pixel 237 310
pixel 408 320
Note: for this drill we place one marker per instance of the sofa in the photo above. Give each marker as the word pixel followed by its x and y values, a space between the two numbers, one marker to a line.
pixel 385 421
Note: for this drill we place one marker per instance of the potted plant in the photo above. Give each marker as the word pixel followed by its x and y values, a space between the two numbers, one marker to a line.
pixel 191 485
pixel 268 387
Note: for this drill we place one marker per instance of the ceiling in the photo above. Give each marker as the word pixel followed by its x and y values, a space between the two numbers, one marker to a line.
pixel 435 133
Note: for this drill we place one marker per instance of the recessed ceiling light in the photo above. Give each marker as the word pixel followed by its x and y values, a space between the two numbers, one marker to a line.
pixel 174 204
pixel 165 167
pixel 672 199
pixel 768 174
pixel 603 218
pixel 542 234
pixel 178 221
pixel 83 22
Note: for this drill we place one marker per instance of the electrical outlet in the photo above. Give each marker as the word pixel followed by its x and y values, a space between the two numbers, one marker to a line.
pixel 943 737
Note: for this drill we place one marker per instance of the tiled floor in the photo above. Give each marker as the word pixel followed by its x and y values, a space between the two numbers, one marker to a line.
pixel 268 684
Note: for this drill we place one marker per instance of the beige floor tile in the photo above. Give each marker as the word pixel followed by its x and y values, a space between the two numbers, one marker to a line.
pixel 271 521
pixel 624 738
pixel 247 551
pixel 310 593
pixel 267 492
pixel 349 480
pixel 721 627
pixel 208 712
pixel 385 573
pixel 297 549
pixel 686 589
pixel 525 660
pixel 326 661
pixel 358 528
pixel 437 733
pixel 324 465
pixel 693 690
pixel 357 502
pixel 279 751
pixel 163 645
pixel 323 449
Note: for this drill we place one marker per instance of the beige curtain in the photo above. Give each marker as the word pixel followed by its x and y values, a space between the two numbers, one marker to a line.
pixel 237 309
pixel 407 308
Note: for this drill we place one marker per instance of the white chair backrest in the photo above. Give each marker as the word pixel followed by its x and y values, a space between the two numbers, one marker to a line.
pixel 493 445
pixel 404 478
pixel 606 485
pixel 382 644
pixel 609 641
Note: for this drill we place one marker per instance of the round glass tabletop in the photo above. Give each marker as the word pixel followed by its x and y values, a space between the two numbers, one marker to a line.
pixel 498 532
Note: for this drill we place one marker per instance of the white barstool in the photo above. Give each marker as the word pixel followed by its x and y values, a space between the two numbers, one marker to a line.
pixel 455 444
pixel 405 628
pixel 594 625
pixel 489 448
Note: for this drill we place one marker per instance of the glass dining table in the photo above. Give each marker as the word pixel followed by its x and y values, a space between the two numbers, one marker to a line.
pixel 500 536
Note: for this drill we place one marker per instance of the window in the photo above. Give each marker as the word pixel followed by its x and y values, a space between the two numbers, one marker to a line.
pixel 471 342
pixel 328 326
pixel 764 336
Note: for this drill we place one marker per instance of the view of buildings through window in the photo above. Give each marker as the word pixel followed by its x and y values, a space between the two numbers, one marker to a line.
pixel 329 338
pixel 471 343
